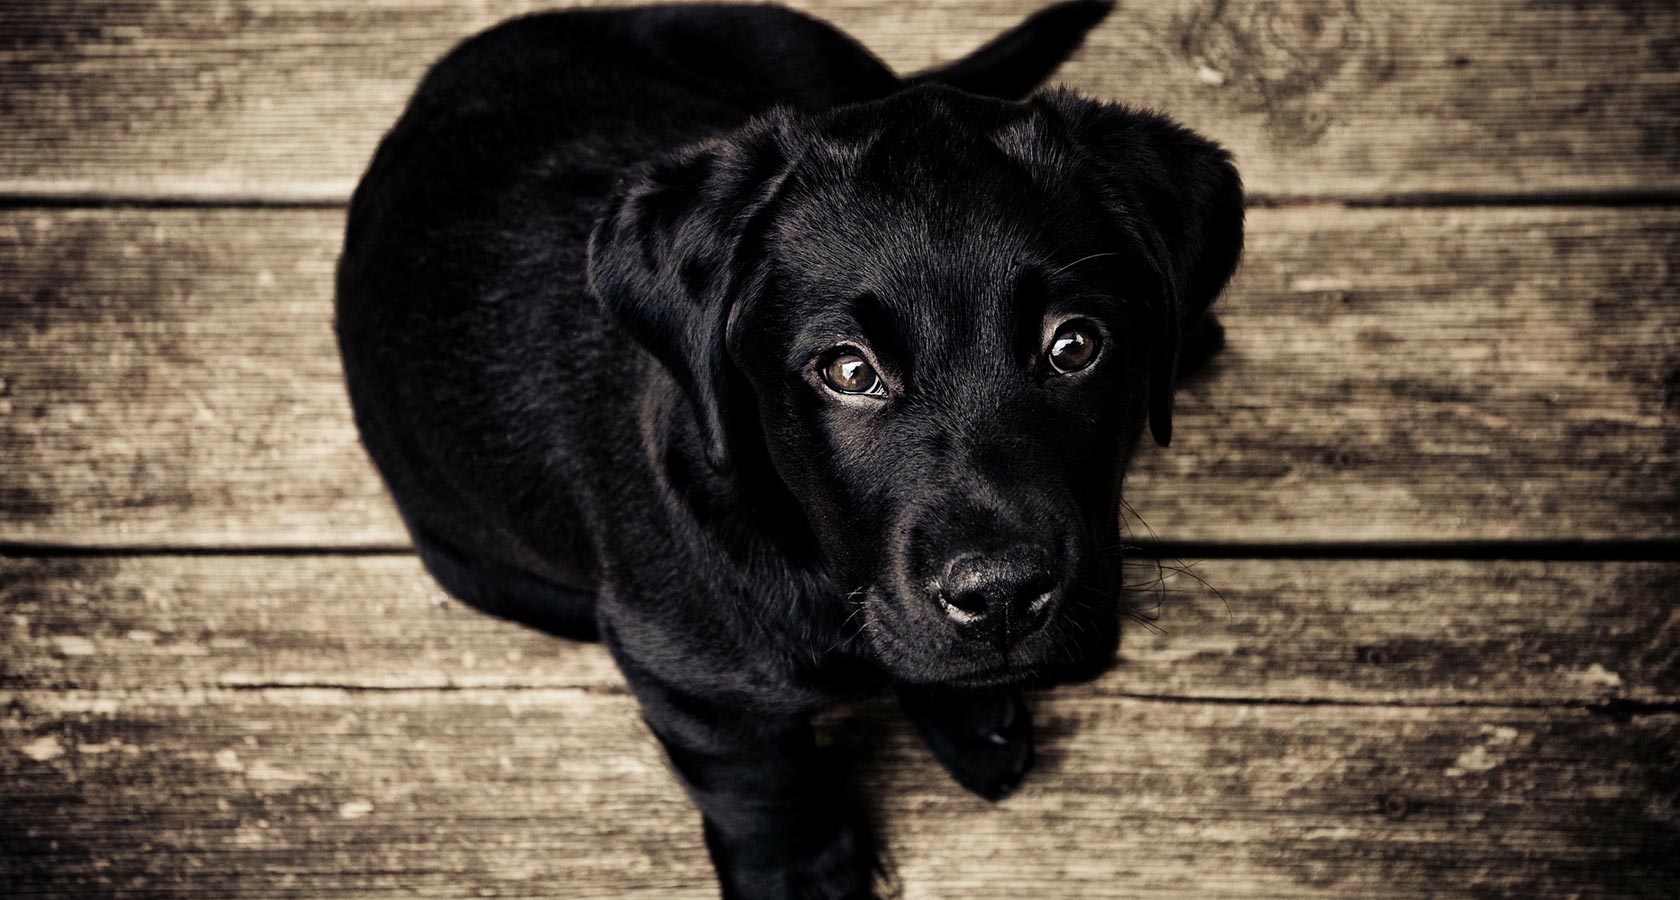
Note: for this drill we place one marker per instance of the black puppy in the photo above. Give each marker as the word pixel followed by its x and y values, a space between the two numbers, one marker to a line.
pixel 699 330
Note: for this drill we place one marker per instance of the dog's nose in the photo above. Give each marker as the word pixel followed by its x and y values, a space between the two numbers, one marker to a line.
pixel 1003 596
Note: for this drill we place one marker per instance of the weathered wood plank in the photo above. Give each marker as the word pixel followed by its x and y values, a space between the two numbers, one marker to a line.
pixel 172 376
pixel 227 99
pixel 562 793
pixel 169 377
pixel 1423 632
pixel 1436 374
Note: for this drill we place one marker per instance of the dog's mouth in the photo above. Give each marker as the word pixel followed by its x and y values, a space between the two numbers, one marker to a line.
pixel 1004 676
pixel 922 667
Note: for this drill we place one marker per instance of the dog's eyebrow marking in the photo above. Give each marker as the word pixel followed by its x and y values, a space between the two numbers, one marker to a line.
pixel 882 327
pixel 1031 303
pixel 1080 260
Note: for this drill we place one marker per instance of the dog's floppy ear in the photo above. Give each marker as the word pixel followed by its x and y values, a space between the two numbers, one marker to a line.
pixel 1178 194
pixel 678 244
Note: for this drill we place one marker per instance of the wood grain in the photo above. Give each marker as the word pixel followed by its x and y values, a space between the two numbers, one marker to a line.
pixel 562 793
pixel 168 377
pixel 1365 631
pixel 222 99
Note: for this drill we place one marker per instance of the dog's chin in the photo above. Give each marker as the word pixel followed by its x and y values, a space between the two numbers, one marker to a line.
pixel 927 669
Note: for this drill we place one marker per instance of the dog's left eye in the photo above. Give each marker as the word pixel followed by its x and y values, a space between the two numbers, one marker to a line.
pixel 1073 347
pixel 847 372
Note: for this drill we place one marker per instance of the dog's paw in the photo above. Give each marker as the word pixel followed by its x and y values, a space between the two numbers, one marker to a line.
pixel 985 742
pixel 836 862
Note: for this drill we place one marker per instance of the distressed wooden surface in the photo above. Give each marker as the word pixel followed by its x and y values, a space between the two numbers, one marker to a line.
pixel 1428 632
pixel 169 377
pixel 225 99
pixel 325 726
pixel 481 792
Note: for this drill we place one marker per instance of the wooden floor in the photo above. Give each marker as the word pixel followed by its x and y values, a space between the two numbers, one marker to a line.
pixel 1435 481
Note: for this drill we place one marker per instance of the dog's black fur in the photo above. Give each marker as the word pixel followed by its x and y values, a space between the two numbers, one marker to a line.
pixel 587 290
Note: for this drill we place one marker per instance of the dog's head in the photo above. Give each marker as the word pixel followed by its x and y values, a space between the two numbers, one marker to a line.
pixel 953 316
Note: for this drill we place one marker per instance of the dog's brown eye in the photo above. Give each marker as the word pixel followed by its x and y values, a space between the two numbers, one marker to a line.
pixel 1072 347
pixel 850 373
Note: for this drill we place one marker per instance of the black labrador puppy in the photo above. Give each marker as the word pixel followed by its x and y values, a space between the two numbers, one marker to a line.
pixel 698 330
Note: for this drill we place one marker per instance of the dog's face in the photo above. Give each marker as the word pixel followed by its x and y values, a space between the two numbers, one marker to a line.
pixel 955 316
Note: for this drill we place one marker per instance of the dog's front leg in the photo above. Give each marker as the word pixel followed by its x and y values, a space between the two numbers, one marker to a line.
pixel 983 739
pixel 779 822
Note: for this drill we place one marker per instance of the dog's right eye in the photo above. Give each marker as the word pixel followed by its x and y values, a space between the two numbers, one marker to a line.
pixel 1073 347
pixel 847 372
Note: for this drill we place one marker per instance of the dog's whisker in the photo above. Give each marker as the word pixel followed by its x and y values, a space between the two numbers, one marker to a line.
pixel 1182 569
pixel 1132 511
pixel 1145 621
pixel 858 608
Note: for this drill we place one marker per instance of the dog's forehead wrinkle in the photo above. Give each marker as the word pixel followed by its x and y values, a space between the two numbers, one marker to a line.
pixel 910 160
pixel 894 253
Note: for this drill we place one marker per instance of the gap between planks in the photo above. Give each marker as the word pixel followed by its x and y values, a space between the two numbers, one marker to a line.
pixel 1615 708
pixel 1634 550
pixel 1609 199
